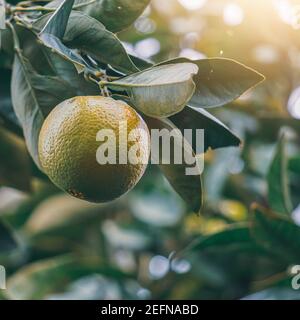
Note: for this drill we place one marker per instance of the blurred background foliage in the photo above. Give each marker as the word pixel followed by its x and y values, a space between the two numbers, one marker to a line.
pixel 147 244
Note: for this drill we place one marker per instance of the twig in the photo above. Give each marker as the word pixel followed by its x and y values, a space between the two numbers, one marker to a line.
pixel 15 36
pixel 36 8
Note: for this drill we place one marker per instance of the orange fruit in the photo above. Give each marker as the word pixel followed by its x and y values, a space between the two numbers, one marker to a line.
pixel 68 147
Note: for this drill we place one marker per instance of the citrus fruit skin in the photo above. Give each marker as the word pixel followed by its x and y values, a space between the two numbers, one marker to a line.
pixel 68 147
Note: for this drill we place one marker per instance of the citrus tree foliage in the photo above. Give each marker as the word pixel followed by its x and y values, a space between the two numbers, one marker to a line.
pixel 54 50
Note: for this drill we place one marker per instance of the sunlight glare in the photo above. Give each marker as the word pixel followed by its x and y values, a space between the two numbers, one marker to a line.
pixel 288 13
pixel 233 14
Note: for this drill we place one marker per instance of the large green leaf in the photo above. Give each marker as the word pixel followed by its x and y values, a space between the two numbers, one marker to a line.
pixel 8 241
pixel 15 169
pixel 216 134
pixel 159 91
pixel 276 233
pixel 26 104
pixel 116 15
pixel 90 36
pixel 33 97
pixel 187 186
pixel 278 184
pixel 219 81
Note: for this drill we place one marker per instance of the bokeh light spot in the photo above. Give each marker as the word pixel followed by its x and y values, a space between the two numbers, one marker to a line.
pixel 158 267
pixel 192 4
pixel 147 48
pixel 233 14
pixel 294 103
pixel 181 266
pixel 266 54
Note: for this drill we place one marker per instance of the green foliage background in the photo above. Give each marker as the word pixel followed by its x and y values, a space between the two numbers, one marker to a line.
pixel 149 243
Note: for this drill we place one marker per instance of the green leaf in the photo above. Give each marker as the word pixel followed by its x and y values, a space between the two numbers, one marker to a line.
pixel 126 237
pixel 57 24
pixel 187 186
pixel 67 72
pixel 276 233
pixel 278 184
pixel 21 213
pixel 15 169
pixel 234 235
pixel 8 118
pixel 275 293
pixel 55 44
pixel 26 104
pixel 159 91
pixel 116 15
pixel 39 279
pixel 90 36
pixel 7 114
pixel 159 207
pixel 33 97
pixel 8 241
pixel 6 41
pixel 63 212
pixel 54 30
pixel 216 134
pixel 219 81
pixel 51 91
pixel 294 164
pixel 141 63
pixel 32 49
